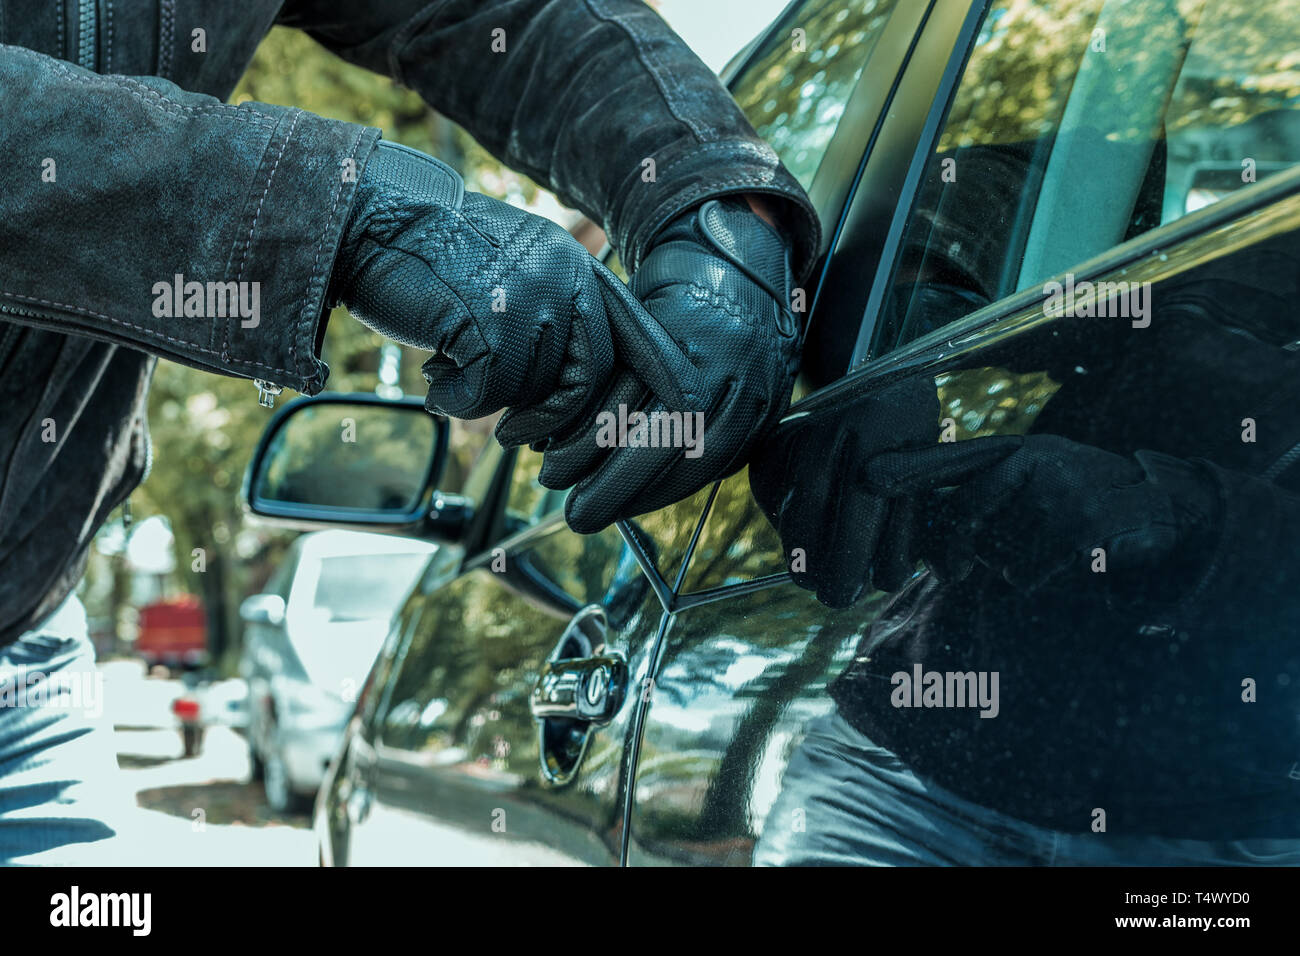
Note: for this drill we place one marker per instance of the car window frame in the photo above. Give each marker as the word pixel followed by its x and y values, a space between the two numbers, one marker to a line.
pixel 971 330
pixel 1005 316
pixel 951 33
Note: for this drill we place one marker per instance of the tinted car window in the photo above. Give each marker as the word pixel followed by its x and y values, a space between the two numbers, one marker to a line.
pixel 795 88
pixel 1079 124
pixel 737 543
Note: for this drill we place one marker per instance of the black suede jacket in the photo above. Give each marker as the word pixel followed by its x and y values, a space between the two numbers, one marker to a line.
pixel 122 168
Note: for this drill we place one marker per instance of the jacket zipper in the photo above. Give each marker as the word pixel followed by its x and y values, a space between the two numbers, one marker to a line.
pixel 87 21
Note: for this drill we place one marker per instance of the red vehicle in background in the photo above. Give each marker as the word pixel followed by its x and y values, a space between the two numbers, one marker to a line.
pixel 174 632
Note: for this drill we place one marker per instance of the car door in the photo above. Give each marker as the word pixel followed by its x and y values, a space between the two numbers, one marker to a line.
pixel 1118 731
pixel 457 763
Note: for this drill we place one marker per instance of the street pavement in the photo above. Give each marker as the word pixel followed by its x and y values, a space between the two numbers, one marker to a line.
pixel 199 811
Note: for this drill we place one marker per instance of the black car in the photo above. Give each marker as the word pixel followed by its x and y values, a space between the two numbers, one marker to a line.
pixel 1069 218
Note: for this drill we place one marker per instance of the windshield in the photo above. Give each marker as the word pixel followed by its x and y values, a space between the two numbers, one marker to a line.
pixel 338 635
pixel 364 587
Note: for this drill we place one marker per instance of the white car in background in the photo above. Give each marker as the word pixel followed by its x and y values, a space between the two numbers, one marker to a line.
pixel 309 641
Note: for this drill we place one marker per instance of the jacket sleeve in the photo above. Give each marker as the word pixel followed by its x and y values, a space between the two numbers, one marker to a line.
pixel 578 95
pixel 119 193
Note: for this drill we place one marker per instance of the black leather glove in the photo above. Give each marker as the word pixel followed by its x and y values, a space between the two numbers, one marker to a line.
pixel 718 280
pixel 840 535
pixel 517 312
pixel 1037 514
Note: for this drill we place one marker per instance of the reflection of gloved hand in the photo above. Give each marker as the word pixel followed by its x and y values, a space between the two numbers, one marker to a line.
pixel 840 535
pixel 515 309
pixel 718 280
pixel 1033 509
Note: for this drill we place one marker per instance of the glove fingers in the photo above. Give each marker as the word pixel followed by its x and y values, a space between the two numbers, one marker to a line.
pixel 720 440
pixel 937 466
pixel 979 521
pixel 988 472
pixel 948 555
pixel 710 457
pixel 894 561
pixel 646 347
pixel 967 509
pixel 637 479
pixel 458 391
pixel 527 425
pixel 570 458
pixel 614 491
pixel 588 361
pixel 839 544
pixel 843 566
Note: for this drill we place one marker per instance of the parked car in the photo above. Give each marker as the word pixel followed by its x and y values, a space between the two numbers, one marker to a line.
pixel 206 703
pixel 663 693
pixel 309 641
pixel 173 632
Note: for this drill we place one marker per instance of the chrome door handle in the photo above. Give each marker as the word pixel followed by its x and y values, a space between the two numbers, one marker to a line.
pixel 589 689
pixel 582 685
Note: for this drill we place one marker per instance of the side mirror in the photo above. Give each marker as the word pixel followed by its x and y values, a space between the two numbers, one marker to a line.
pixel 355 460
pixel 262 609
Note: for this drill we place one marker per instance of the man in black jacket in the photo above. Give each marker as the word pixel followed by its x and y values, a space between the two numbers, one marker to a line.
pixel 124 176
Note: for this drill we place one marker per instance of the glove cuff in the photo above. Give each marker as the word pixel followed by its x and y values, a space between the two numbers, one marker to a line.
pixel 730 230
pixel 396 177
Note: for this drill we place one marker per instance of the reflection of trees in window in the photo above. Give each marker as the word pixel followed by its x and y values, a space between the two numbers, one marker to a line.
pixel 993 401
pixel 525 492
pixel 1242 58
pixel 705 782
pixel 463 668
pixel 794 97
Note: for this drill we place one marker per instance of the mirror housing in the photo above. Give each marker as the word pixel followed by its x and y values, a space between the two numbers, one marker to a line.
pixel 449 518
pixel 353 460
pixel 262 609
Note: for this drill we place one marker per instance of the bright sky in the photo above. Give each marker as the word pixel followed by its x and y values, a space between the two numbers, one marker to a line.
pixel 717 29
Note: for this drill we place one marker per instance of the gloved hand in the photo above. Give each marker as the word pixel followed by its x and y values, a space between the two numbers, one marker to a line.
pixel 1033 508
pixel 517 312
pixel 718 280
pixel 839 535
